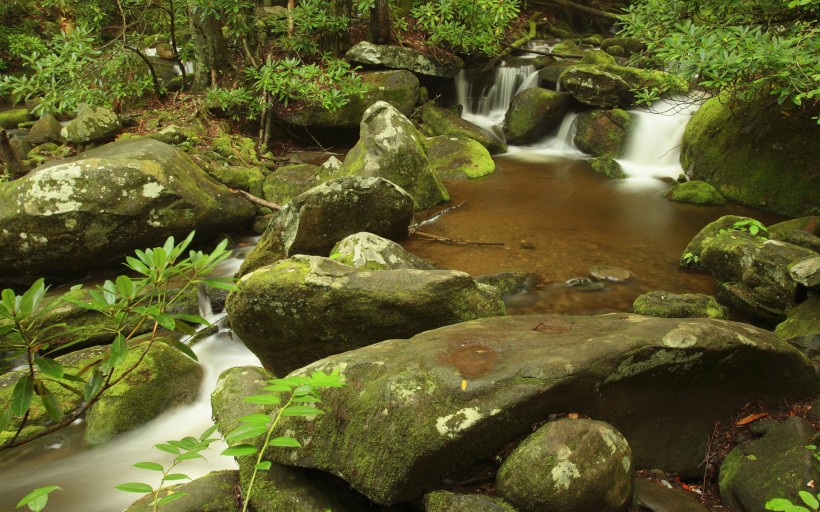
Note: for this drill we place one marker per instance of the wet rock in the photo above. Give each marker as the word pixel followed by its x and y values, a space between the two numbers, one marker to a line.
pixel 802 328
pixel 569 466
pixel 602 132
pixel 673 305
pixel 609 85
pixel 533 113
pixel 608 167
pixel 443 501
pixel 611 273
pixel 249 179
pixel 399 88
pixel 629 44
pixel 550 74
pixel 508 283
pixel 314 221
pixel 92 124
pixel 289 181
pixel 696 246
pixel 458 394
pixel 398 57
pixel 806 272
pixel 439 121
pixel 306 307
pixel 9 119
pixel 652 497
pixel 778 465
pixel 804 232
pixel 597 57
pixel 754 155
pixel 367 251
pixel 390 147
pixel 214 492
pixel 46 129
pixel 695 192
pixel 70 215
pixel 458 158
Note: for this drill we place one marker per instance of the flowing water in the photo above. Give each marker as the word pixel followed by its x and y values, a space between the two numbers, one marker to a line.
pixel 555 217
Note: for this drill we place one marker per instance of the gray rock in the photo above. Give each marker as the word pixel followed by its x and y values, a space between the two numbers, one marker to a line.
pixel 778 465
pixel 367 251
pixel 569 466
pixel 804 232
pixel 806 272
pixel 611 273
pixel 652 497
pixel 673 305
pixel 289 181
pixel 699 241
pixel 443 501
pixel 439 121
pixel 508 283
pixel 533 113
pixel 92 124
pixel 398 57
pixel 458 394
pixel 314 221
pixel 602 132
pixel 802 328
pixel 46 129
pixel 306 307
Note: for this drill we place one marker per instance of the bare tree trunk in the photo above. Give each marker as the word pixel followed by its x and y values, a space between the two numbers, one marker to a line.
pixel 210 48
pixel 380 22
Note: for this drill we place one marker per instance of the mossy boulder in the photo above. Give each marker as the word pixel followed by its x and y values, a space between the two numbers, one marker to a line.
pixel 444 501
pixel 398 57
pixel 312 222
pixel 459 394
pixel 602 132
pixel 439 121
pixel 674 305
pixel 68 216
pixel 551 73
pixel 695 192
pixel 778 465
pixel 249 179
pixel 46 129
pixel 175 135
pixel 804 232
pixel 289 181
pixel 391 147
pixel 610 85
pixel 656 497
pixel 629 44
pixel 753 273
pixel 304 308
pixel 597 57
pixel 802 328
pixel 754 155
pixel 367 251
pixel 569 466
pixel 92 124
pixel 9 119
pixel 458 158
pixel 235 149
pixel 533 113
pixel 214 492
pixel 806 272
pixel 399 88
pixel 694 249
pixel 568 48
pixel 607 166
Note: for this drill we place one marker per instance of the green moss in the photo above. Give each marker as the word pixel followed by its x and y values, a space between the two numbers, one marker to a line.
pixel 237 149
pixel 289 181
pixel 695 192
pixel 439 121
pixel 603 132
pixel 533 113
pixel 249 179
pixel 458 158
pixel 9 119
pixel 597 57
pixel 608 167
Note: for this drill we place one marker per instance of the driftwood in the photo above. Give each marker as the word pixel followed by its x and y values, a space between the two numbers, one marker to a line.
pixel 451 241
pixel 257 200
pixel 539 52
pixel 436 216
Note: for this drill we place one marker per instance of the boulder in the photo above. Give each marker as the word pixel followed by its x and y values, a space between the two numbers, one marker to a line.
pixel 652 497
pixel 753 273
pixel 696 246
pixel 9 119
pixel 802 328
pixel 695 192
pixel 610 85
pixel 314 221
pixel 458 394
pixel 398 57
pixel 92 124
pixel 439 121
pixel 508 283
pixel 569 466
pixel 550 74
pixel 399 88
pixel 611 273
pixel 249 179
pixel 391 147
pixel 289 181
pixel 597 57
pixel 754 155
pixel 673 305
pixel 804 232
pixel 367 251
pixel 68 216
pixel 778 465
pixel 568 47
pixel 602 132
pixel 806 272
pixel 533 113
pixel 458 158
pixel 46 129
pixel 214 492
pixel 304 308
pixel 444 501
pixel 627 43
pixel 607 166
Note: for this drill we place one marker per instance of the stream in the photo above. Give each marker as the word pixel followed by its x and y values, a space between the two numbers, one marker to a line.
pixel 555 217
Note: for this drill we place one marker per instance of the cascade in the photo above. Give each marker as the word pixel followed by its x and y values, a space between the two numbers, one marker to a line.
pixel 488 106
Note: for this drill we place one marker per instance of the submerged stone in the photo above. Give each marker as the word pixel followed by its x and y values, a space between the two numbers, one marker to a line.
pixel 602 132
pixel 673 305
pixel 695 192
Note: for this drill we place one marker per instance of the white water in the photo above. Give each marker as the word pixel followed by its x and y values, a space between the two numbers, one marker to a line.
pixel 487 107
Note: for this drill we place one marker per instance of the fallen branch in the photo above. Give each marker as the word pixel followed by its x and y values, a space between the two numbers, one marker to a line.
pixel 539 52
pixel 531 33
pixel 584 8
pixel 450 241
pixel 435 217
pixel 257 200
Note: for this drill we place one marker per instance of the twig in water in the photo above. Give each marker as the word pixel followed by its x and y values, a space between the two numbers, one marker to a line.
pixel 445 240
pixel 436 216
pixel 257 200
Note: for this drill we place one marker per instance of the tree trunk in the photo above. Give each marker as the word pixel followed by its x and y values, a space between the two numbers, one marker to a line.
pixel 13 167
pixel 338 42
pixel 380 22
pixel 210 48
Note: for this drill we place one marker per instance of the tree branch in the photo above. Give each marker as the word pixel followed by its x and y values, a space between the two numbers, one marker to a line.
pixel 584 8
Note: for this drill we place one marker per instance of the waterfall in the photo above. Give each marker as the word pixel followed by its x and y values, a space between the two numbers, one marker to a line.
pixel 488 106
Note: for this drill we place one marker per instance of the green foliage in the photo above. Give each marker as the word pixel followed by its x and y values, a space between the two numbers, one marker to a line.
pixel 187 448
pixel 237 15
pixel 745 48
pixel 290 80
pixel 466 26
pixel 784 505
pixel 38 498
pixel 309 21
pixel 752 226
pixel 165 275
pixel 237 103
pixel 689 259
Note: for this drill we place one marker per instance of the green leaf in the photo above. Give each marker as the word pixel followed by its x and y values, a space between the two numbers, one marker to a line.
pixel 263 466
pixel 188 456
pixel 92 387
pixel 259 419
pixel 783 505
pixel 135 487
pixel 119 351
pixel 167 448
pixel 53 409
pixel 5 418
pixel 809 499
pixel 175 476
pixel 262 399
pixel 151 466
pixel 220 284
pixel 246 432
pixel 37 494
pixel 22 395
pixel 165 320
pixel 208 432
pixel 286 442
pixel 301 410
pixel 171 497
pixel 50 367
pixel 240 450
pixel 185 349
pixel 277 388
pixel 194 319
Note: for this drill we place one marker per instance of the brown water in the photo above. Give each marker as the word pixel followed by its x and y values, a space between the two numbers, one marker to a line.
pixel 557 218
